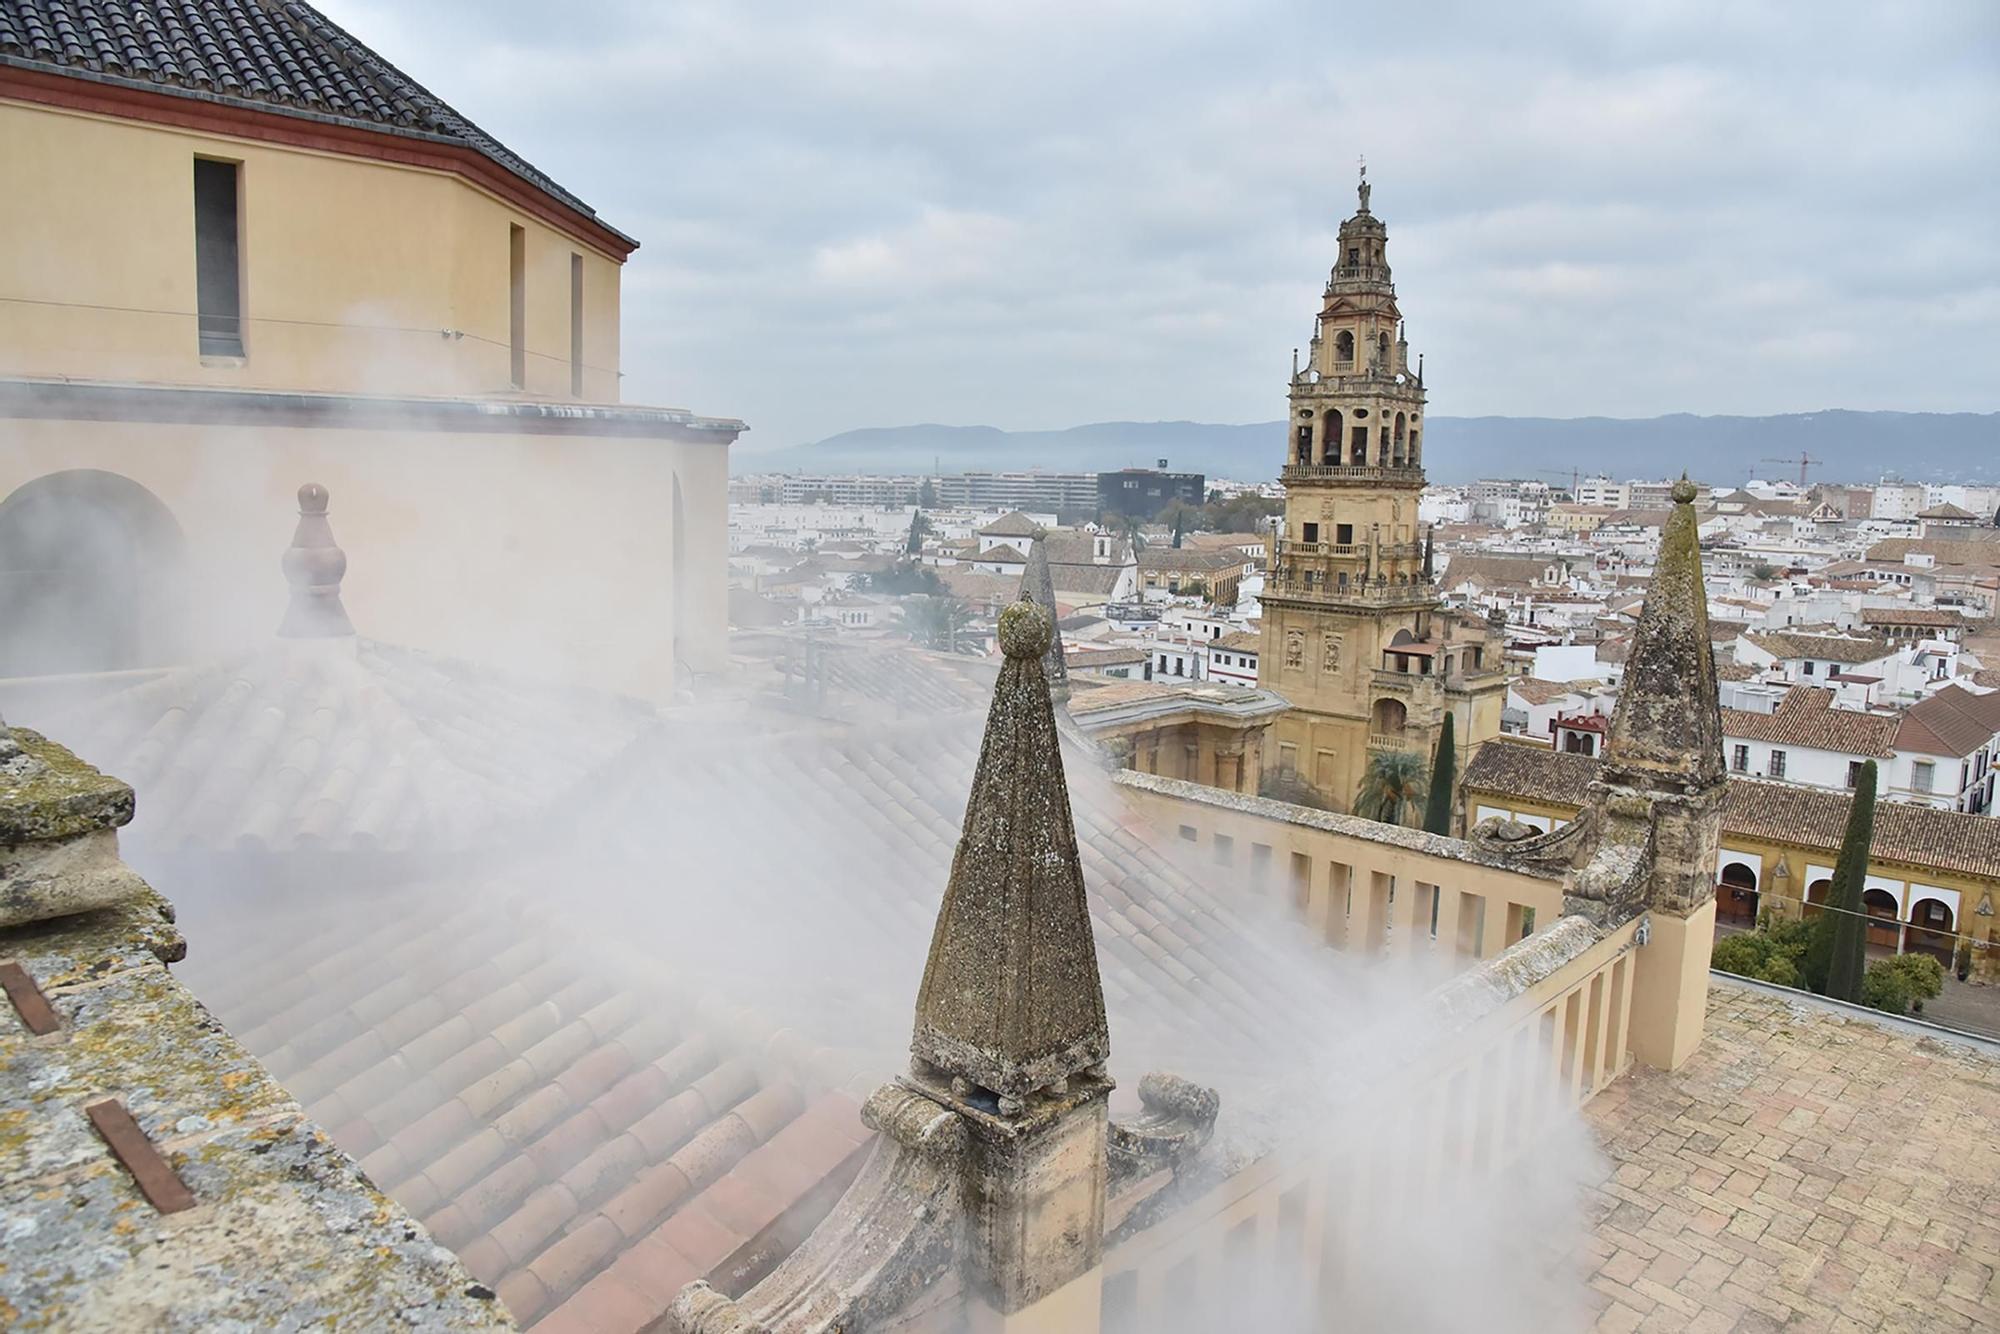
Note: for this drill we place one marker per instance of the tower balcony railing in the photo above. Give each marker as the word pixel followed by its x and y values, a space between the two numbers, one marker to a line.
pixel 1411 474
pixel 1375 273
pixel 1288 547
pixel 1386 741
pixel 1307 584
pixel 1407 683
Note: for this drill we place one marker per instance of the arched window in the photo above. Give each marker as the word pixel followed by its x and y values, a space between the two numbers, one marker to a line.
pixel 1305 444
pixel 1343 350
pixel 1415 456
pixel 1330 438
pixel 1737 899
pixel 1382 350
pixel 1401 454
pixel 90 576
pixel 1388 717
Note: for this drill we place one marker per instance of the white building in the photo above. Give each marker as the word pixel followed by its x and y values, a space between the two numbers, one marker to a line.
pixel 1233 658
pixel 1603 493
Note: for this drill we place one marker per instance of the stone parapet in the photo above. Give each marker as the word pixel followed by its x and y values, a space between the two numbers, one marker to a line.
pixel 58 833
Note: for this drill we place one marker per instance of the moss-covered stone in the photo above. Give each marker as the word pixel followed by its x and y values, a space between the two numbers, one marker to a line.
pixel 54 795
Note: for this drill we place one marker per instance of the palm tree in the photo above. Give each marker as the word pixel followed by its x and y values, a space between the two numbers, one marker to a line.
pixel 1393 787
pixel 936 622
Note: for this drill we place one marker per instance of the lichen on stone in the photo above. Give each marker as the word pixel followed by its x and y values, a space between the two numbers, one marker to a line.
pixel 47 794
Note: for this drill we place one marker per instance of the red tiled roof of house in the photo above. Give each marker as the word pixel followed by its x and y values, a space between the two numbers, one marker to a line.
pixel 1806 717
pixel 1537 691
pixel 1808 817
pixel 1937 616
pixel 1953 722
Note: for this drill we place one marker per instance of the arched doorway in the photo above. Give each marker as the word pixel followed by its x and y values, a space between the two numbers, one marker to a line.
pixel 1884 928
pixel 1931 931
pixel 1816 894
pixel 1388 718
pixel 90 575
pixel 1736 895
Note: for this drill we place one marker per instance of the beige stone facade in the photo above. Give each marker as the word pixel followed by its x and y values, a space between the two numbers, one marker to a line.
pixel 1353 636
pixel 414 317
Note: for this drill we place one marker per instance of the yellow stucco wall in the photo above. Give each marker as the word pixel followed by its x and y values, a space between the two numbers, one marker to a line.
pixel 1784 894
pixel 352 268
pixel 555 555
pixel 1357 893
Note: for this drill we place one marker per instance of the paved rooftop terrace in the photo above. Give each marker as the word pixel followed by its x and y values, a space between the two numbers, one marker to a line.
pixel 1805 1171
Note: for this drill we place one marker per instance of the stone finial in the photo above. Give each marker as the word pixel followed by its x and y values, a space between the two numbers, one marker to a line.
pixel 1668 724
pixel 1011 1000
pixel 314 565
pixel 1038 583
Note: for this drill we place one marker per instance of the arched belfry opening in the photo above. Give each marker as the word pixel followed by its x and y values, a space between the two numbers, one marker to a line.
pixel 91 575
pixel 1343 350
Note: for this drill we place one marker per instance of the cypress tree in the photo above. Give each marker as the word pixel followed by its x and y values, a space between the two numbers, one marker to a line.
pixel 1836 955
pixel 1444 773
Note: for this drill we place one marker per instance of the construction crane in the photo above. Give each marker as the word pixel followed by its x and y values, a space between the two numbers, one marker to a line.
pixel 1804 460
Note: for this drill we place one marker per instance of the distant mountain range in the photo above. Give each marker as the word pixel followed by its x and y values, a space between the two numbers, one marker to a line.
pixel 1853 446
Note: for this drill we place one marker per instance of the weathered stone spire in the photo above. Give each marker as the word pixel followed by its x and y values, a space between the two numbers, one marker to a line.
pixel 1430 553
pixel 1667 729
pixel 1038 583
pixel 314 565
pixel 1011 1000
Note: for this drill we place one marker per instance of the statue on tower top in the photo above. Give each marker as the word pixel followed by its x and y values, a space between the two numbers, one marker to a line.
pixel 1365 186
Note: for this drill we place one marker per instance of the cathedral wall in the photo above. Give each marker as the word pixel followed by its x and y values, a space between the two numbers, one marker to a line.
pixel 552 554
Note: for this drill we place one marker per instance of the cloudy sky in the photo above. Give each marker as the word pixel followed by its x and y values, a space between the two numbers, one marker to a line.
pixel 1033 214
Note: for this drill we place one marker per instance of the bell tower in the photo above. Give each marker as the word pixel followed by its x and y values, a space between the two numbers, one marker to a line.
pixel 1353 637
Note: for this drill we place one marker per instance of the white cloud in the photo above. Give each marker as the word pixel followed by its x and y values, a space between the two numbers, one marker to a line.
pixel 1042 213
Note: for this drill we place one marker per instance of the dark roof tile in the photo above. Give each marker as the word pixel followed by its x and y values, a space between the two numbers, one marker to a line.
pixel 278 56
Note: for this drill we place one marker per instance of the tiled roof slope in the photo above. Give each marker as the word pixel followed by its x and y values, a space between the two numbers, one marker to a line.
pixel 1967 546
pixel 273 55
pixel 1192 558
pixel 1826 648
pixel 1754 808
pixel 613 1072
pixel 1939 616
pixel 343 745
pixel 1537 691
pixel 1952 722
pixel 1015 524
pixel 1806 717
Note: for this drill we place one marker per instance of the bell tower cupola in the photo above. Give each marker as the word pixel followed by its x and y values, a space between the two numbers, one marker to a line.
pixel 1353 634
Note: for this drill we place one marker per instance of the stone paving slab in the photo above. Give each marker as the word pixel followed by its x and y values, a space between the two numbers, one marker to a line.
pixel 1805 1171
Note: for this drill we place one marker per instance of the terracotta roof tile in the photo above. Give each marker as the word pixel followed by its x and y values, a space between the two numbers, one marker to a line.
pixel 1754 808
pixel 548 1103
pixel 1953 722
pixel 1787 644
pixel 1806 717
